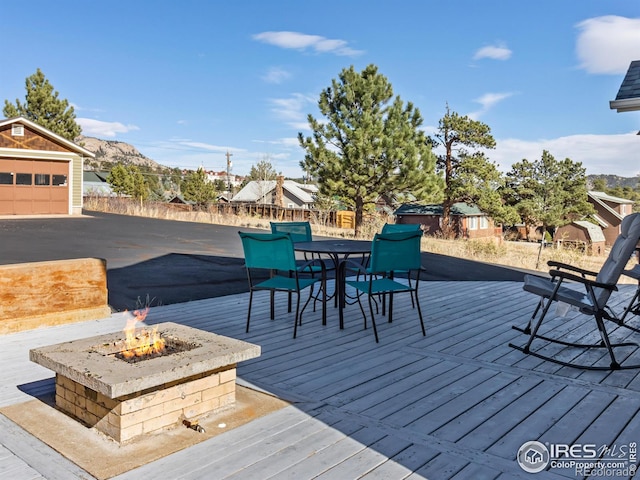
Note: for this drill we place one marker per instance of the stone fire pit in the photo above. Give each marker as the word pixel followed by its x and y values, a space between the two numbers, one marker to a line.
pixel 125 400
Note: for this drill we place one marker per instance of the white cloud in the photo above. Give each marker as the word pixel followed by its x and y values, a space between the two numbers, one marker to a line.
pixel 292 110
pixel 288 142
pixel 190 154
pixel 276 75
pixel 487 102
pixel 101 129
pixel 608 44
pixel 494 52
pixel 599 154
pixel 203 146
pixel 302 41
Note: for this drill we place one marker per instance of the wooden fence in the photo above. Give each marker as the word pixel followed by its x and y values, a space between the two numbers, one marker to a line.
pixel 340 219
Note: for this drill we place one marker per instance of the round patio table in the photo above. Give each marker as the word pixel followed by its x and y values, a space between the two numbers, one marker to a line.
pixel 338 250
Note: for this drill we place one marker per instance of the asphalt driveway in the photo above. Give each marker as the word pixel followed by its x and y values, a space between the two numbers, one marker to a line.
pixel 161 262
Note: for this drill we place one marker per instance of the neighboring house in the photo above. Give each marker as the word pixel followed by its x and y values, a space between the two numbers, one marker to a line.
pixel 95 185
pixel 583 234
pixel 469 222
pixel 40 171
pixel 628 97
pixel 610 211
pixel 227 178
pixel 295 195
pixel 386 204
pixel 179 200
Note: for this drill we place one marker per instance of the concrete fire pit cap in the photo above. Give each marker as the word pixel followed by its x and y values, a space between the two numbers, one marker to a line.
pixel 91 361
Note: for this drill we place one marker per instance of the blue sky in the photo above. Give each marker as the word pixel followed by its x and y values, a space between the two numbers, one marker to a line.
pixel 185 82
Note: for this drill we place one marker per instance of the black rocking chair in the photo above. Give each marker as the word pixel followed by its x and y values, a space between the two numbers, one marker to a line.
pixel 590 300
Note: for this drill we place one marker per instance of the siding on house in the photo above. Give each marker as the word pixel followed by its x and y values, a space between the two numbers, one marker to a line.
pixel 469 221
pixel 610 211
pixel 54 164
pixel 582 234
pixel 295 195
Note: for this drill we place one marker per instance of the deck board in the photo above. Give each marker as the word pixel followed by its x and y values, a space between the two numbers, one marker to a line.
pixel 457 403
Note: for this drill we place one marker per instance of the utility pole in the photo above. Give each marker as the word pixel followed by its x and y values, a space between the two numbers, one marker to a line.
pixel 229 155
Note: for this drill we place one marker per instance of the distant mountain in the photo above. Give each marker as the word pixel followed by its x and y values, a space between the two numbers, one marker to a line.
pixel 110 151
pixel 613 181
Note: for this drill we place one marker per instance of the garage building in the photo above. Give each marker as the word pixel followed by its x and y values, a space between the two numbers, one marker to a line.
pixel 40 171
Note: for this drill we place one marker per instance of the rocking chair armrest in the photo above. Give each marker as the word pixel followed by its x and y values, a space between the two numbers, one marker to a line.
pixel 566 266
pixel 633 272
pixel 585 281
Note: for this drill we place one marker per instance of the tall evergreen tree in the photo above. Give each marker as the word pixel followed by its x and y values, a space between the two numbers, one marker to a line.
pixel 369 144
pixel 548 192
pixel 469 176
pixel 42 106
pixel 139 185
pixel 120 180
pixel 198 189
pixel 262 171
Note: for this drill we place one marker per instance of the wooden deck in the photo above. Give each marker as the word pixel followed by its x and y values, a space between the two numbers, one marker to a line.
pixel 456 404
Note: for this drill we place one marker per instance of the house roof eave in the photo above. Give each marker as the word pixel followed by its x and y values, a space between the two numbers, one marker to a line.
pixel 626 105
pixel 48 133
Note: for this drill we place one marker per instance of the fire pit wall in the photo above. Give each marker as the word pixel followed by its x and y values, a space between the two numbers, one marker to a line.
pixel 150 411
pixel 127 400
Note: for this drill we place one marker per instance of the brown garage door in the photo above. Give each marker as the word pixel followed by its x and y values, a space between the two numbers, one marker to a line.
pixel 29 187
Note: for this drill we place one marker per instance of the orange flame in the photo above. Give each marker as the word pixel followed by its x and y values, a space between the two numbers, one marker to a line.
pixel 143 342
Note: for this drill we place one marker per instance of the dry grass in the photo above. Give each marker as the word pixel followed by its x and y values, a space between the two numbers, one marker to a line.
pixel 519 255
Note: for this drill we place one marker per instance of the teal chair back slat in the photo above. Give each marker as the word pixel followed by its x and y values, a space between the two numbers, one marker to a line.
pixel 401 227
pixel 273 251
pixel 299 231
pixel 396 251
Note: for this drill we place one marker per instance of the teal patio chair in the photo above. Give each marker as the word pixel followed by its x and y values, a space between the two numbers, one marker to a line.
pixel 274 253
pixel 391 254
pixel 401 227
pixel 299 231
pixel 396 228
pixel 589 293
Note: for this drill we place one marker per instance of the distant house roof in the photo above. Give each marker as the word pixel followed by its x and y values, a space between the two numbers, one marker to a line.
pixel 255 190
pixel 461 209
pixel 628 97
pixel 600 199
pixel 595 232
pixel 609 198
pixel 180 199
pixel 95 184
pixel 91 176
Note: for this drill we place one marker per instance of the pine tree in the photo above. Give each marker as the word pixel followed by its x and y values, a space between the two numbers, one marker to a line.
pixel 120 180
pixel 369 144
pixel 139 185
pixel 548 192
pixel 42 106
pixel 469 176
pixel 198 189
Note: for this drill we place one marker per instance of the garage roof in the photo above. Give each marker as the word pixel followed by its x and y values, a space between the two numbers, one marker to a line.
pixel 48 133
